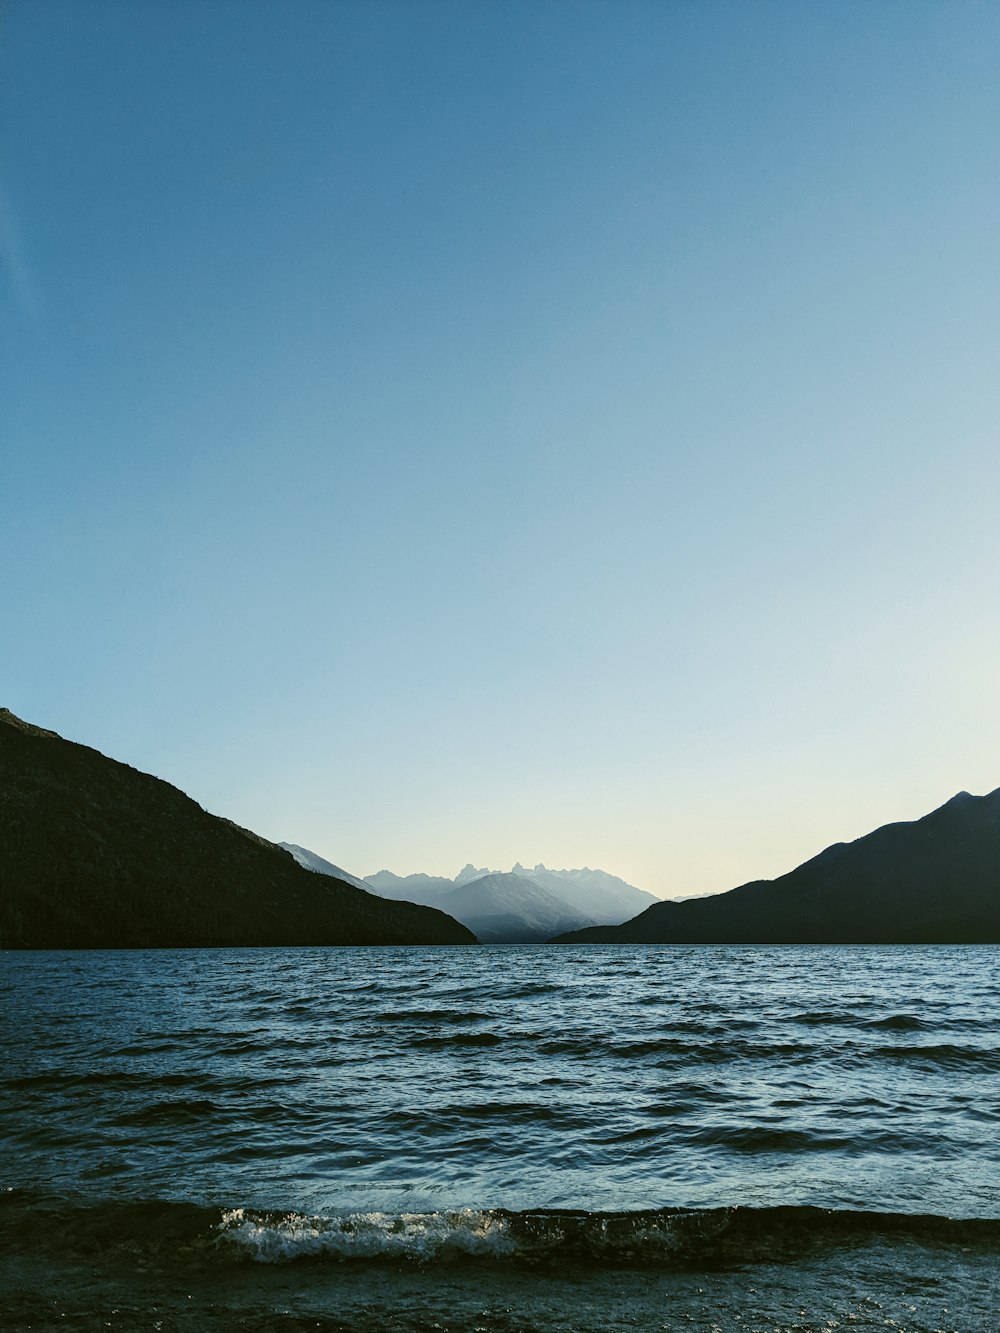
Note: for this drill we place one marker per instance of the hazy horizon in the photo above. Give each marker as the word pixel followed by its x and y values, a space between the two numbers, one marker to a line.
pixel 556 433
pixel 519 868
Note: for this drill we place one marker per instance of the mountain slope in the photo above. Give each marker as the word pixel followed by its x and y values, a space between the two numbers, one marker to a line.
pixel 587 895
pixel 605 898
pixel 509 909
pixel 94 854
pixel 311 861
pixel 409 888
pixel 932 880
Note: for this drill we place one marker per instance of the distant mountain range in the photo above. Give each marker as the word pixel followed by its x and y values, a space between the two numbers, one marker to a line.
pixel 94 854
pixel 517 907
pixel 409 888
pixel 934 880
pixel 509 909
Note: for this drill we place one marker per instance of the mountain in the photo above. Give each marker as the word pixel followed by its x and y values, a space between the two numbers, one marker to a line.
pixel 313 862
pixel 470 872
pixel 510 909
pixel 587 896
pixel 498 908
pixel 94 854
pixel 605 898
pixel 934 880
pixel 409 888
pixel 521 906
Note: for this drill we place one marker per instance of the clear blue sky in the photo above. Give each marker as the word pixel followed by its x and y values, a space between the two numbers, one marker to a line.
pixel 500 430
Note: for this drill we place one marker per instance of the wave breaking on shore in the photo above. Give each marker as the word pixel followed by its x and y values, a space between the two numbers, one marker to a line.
pixel 663 1237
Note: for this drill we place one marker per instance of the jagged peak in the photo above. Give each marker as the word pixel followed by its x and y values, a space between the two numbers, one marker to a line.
pixel 469 872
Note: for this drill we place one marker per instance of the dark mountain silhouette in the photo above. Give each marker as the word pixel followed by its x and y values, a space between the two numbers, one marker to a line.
pixel 935 880
pixel 94 854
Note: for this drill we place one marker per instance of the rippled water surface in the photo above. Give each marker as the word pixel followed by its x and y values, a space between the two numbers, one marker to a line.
pixel 598 1104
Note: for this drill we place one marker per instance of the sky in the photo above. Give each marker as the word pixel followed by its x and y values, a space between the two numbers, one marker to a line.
pixel 498 431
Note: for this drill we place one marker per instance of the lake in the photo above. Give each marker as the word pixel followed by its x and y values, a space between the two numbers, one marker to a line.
pixel 552 1138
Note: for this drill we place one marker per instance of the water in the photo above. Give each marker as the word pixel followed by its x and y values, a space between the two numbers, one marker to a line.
pixel 575 1138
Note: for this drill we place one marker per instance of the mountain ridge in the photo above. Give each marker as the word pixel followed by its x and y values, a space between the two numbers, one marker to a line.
pixel 96 854
pixel 504 908
pixel 604 896
pixel 527 904
pixel 935 879
pixel 310 861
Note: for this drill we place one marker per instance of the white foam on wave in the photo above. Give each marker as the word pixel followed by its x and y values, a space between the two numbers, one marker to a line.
pixel 275 1239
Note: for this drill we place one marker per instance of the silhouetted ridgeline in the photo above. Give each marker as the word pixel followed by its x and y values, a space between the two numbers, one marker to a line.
pixel 94 854
pixel 933 881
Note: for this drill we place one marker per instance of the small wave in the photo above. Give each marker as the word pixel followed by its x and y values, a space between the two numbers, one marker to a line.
pixel 528 991
pixel 945 1056
pixel 455 1116
pixel 821 1018
pixel 766 1139
pixel 429 1016
pixel 173 1112
pixel 658 1237
pixel 672 1050
pixel 66 1079
pixel 668 1237
pixel 267 1238
pixel 166 1046
pixel 898 1023
pixel 458 1039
